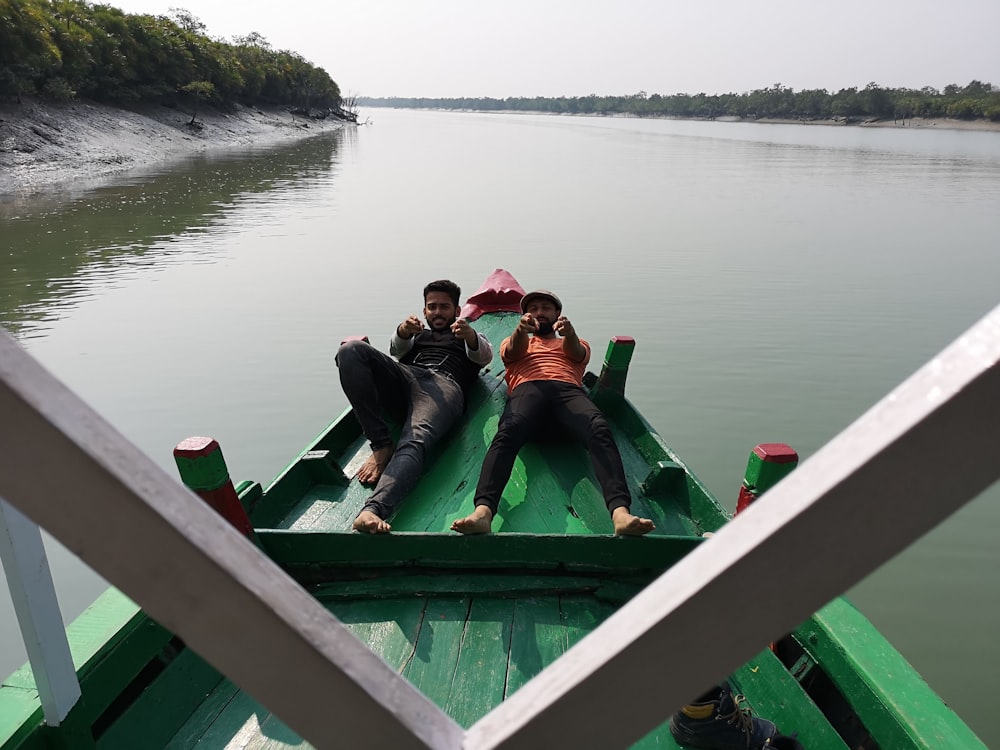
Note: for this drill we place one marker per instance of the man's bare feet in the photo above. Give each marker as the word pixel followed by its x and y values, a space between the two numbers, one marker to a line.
pixel 628 525
pixel 370 523
pixel 478 522
pixel 372 469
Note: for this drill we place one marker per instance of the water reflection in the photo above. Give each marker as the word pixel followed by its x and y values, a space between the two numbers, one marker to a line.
pixel 53 249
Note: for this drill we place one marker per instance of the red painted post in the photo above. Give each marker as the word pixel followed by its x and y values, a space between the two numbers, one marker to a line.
pixel 769 463
pixel 203 470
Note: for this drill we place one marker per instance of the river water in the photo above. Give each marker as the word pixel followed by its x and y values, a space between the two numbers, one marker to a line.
pixel 778 279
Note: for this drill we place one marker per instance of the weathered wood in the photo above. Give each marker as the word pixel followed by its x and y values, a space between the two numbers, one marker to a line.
pixel 37 608
pixel 848 509
pixel 193 572
pixel 571 552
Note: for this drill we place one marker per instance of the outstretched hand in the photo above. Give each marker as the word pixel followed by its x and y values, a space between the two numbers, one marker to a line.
pixel 527 324
pixel 563 327
pixel 410 327
pixel 464 331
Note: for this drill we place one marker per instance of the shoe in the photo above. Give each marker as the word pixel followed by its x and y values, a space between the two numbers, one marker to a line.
pixel 718 721
pixel 783 742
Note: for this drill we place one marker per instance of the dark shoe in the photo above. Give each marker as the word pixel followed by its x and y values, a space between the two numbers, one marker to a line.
pixel 717 721
pixel 783 742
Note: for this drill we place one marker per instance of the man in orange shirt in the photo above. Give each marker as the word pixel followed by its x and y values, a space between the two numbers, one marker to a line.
pixel 545 362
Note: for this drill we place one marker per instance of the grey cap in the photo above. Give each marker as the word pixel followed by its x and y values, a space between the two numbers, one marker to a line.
pixel 540 294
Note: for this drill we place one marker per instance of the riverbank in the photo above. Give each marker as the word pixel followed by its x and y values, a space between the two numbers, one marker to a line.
pixel 45 145
pixel 940 123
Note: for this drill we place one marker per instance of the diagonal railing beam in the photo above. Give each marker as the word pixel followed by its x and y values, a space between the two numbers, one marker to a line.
pixel 67 469
pixel 916 457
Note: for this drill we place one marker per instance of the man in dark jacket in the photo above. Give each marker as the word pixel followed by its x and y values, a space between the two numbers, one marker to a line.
pixel 425 390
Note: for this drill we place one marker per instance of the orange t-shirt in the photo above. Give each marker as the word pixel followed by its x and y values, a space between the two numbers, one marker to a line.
pixel 544 360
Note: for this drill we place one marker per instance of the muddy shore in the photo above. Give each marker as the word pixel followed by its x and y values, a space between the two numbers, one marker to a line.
pixel 47 145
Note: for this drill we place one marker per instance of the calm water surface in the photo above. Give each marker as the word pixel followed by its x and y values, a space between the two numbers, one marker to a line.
pixel 779 280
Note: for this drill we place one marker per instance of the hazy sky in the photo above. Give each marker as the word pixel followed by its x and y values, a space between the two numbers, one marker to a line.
pixel 577 47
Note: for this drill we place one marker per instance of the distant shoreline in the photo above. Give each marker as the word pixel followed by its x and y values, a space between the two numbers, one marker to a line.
pixel 47 146
pixel 924 123
pixel 939 123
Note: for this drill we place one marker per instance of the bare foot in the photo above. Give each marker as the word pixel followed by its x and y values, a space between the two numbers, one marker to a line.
pixel 478 522
pixel 628 525
pixel 370 523
pixel 372 469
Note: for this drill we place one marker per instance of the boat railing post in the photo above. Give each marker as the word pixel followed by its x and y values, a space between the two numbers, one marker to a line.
pixel 203 470
pixel 37 608
pixel 611 381
pixel 768 464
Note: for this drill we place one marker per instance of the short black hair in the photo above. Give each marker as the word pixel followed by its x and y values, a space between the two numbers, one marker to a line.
pixel 443 285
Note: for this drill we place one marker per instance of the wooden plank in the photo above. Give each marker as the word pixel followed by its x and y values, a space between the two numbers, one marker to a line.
pixel 538 638
pixel 566 552
pixel 33 595
pixel 390 627
pixel 777 696
pixel 20 715
pixel 431 668
pixel 879 684
pixel 156 541
pixel 481 672
pixel 859 487
pixel 198 723
pixel 162 709
pixel 234 726
pixel 397 587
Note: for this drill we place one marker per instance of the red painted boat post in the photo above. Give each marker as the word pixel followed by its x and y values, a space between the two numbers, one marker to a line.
pixel 769 463
pixel 203 470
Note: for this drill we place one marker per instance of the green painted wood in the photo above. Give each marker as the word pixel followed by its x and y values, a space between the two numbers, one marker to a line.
pixel 482 584
pixel 481 672
pixel 582 614
pixel 390 627
pixel 298 551
pixel 431 668
pixel 20 717
pixel 538 638
pixel 156 715
pixel 192 731
pixel 777 696
pixel 233 725
pixel 880 684
pixel 111 642
pixel 274 735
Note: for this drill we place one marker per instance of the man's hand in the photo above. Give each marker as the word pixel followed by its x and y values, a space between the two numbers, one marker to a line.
pixel 467 333
pixel 527 324
pixel 571 342
pixel 563 327
pixel 410 327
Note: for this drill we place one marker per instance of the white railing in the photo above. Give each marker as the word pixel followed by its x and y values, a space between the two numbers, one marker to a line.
pixel 856 503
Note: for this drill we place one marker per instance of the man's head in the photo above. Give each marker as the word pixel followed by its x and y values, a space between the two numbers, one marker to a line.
pixel 544 306
pixel 441 304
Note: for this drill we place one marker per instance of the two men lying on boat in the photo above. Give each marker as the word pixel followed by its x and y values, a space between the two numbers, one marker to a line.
pixel 545 361
pixel 439 359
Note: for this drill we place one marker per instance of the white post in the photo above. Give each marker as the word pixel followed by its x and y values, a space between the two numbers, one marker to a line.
pixel 34 595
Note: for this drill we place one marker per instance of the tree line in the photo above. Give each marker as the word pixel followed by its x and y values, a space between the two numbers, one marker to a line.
pixel 63 49
pixel 977 100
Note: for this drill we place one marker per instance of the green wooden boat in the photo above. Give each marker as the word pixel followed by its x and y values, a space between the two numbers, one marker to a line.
pixel 469 620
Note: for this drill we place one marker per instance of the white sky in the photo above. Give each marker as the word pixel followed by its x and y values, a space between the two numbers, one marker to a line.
pixel 452 48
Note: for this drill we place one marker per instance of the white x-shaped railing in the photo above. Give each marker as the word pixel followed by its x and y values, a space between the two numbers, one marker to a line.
pixel 856 503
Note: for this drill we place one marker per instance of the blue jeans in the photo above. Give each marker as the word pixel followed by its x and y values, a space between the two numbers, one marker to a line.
pixel 426 403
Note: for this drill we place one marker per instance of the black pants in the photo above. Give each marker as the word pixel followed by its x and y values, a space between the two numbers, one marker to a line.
pixel 534 407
